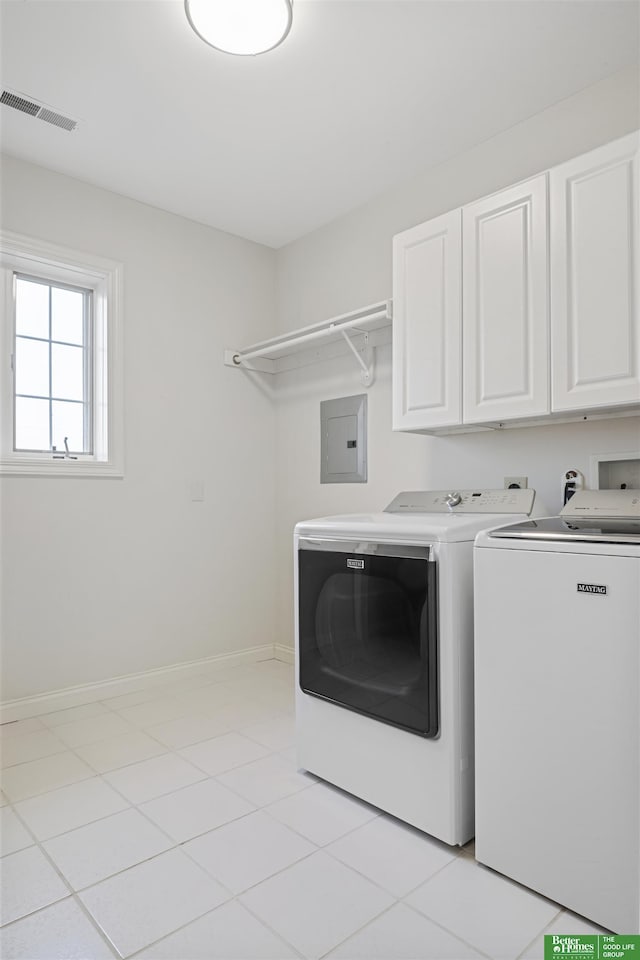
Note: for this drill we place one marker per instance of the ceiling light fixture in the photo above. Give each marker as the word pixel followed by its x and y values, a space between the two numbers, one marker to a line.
pixel 243 27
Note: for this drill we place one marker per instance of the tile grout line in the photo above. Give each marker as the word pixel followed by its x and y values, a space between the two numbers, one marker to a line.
pixel 236 896
pixel 56 836
pixel 232 899
pixel 519 885
pixel 359 930
pixel 136 804
pixel 271 929
pixel 389 892
pixel 452 933
pixel 417 912
pixel 166 750
pixel 21 763
pixel 44 726
pixel 50 789
pixel 540 934
pixel 72 893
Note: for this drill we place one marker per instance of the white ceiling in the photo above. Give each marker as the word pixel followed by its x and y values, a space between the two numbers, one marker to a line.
pixel 363 94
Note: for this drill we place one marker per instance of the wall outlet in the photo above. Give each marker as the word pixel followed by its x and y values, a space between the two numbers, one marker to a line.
pixel 515 483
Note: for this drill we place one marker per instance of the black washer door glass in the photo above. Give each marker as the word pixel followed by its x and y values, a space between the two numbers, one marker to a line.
pixel 368 635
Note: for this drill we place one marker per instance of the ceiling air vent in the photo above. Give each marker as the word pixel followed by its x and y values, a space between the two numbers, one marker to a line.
pixel 37 110
pixel 19 103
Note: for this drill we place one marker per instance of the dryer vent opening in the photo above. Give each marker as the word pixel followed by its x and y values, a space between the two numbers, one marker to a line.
pixel 34 109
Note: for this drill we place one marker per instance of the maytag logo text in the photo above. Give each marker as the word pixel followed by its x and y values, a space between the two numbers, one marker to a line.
pixel 592 588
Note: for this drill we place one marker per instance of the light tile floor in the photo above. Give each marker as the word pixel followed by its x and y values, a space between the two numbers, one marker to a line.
pixel 172 823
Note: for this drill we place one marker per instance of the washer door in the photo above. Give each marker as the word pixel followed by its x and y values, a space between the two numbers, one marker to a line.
pixel 367 622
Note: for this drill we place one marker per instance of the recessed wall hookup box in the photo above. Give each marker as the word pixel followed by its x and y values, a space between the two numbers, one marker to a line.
pixel 615 471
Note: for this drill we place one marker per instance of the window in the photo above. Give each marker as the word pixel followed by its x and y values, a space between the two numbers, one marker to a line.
pixel 61 376
pixel 52 368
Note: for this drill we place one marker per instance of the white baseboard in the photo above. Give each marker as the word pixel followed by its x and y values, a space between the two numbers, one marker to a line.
pixel 43 703
pixel 286 654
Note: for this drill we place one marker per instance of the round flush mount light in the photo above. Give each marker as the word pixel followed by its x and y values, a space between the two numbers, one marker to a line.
pixel 243 27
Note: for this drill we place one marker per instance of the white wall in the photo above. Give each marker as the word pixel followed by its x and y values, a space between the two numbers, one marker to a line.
pixel 347 264
pixel 103 577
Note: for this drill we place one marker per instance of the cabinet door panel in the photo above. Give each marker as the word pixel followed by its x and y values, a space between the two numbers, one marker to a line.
pixel 426 325
pixel 505 304
pixel 594 278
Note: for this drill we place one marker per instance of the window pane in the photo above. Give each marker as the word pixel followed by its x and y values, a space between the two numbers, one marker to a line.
pixel 67 372
pixel 67 315
pixel 32 367
pixel 32 308
pixel 32 424
pixel 68 422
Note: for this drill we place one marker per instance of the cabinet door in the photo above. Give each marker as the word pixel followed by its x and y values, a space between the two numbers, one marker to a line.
pixel 426 325
pixel 594 278
pixel 505 304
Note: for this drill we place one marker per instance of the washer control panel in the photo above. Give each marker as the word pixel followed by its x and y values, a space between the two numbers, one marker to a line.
pixel 594 504
pixel 463 501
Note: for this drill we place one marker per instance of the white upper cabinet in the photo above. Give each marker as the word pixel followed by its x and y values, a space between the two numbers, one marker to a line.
pixel 594 278
pixel 525 304
pixel 505 304
pixel 426 325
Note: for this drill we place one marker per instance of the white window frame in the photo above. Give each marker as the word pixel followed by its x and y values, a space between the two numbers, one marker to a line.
pixel 48 261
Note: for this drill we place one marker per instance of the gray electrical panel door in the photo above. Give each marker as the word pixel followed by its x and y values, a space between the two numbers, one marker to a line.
pixel 343 446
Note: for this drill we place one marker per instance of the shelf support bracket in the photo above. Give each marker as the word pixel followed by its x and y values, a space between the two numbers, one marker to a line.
pixel 366 366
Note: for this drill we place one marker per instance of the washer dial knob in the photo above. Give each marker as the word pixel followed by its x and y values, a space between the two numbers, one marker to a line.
pixel 452 499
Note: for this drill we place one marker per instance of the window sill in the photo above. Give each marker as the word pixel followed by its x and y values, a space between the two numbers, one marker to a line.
pixel 25 467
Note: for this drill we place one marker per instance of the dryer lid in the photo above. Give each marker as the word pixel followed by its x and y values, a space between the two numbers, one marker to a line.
pixel 425 515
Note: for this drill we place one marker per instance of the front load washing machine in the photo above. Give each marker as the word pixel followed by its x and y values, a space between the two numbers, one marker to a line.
pixel 557 650
pixel 384 652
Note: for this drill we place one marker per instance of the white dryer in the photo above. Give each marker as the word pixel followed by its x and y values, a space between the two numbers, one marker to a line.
pixel 558 705
pixel 384 652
